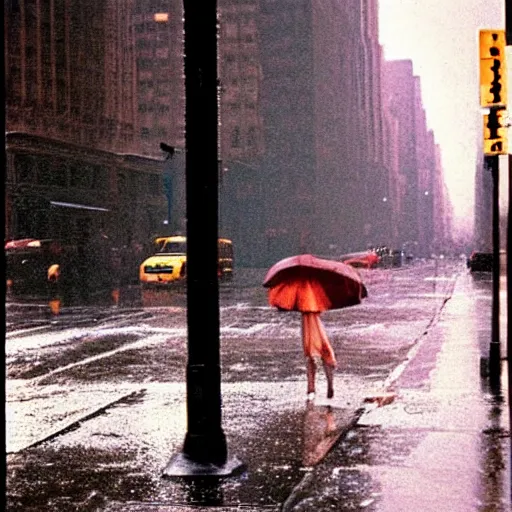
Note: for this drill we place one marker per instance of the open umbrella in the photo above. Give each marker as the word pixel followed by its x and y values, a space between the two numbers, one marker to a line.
pixel 306 283
pixel 311 285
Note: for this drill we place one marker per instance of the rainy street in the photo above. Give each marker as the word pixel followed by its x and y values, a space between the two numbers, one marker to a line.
pixel 96 398
pixel 256 256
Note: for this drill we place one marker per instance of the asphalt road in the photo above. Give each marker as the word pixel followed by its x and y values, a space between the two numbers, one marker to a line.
pixel 64 374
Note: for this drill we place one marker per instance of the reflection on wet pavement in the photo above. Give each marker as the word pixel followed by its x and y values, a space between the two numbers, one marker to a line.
pixel 320 433
pixel 117 456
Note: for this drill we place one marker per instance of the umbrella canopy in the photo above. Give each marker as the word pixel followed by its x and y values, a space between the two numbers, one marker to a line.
pixel 309 284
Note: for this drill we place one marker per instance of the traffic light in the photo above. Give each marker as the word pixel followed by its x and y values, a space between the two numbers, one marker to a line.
pixel 495 132
pixel 493 75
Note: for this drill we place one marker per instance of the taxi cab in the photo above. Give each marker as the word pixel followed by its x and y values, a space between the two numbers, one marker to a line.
pixel 169 263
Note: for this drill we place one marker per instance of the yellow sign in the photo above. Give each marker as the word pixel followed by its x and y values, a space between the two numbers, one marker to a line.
pixel 495 132
pixel 493 72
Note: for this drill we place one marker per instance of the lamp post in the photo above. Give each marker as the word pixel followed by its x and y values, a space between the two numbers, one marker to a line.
pixel 427 224
pixel 204 452
pixel 387 221
pixel 495 346
pixel 170 151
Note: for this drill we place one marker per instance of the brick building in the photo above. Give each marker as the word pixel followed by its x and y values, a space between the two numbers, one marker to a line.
pixel 318 144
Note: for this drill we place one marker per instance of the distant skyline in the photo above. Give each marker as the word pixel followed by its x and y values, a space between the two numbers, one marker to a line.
pixel 441 39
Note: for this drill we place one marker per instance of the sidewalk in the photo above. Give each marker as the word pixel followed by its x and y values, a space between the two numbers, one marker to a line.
pixel 443 444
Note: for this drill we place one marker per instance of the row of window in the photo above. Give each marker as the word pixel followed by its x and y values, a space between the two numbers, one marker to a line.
pixel 60 173
pixel 236 137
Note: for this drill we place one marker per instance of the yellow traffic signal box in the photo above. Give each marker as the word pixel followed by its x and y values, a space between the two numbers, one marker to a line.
pixel 493 74
pixel 495 132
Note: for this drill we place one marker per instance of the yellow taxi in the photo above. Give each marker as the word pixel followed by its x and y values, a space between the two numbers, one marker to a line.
pixel 169 263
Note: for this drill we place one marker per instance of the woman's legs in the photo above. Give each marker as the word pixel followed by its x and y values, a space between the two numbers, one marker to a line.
pixel 329 370
pixel 311 370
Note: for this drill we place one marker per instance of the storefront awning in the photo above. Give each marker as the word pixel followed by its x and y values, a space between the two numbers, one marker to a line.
pixel 79 206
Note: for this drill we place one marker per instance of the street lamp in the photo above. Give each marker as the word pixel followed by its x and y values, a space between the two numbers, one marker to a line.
pixel 387 221
pixel 170 150
pixel 168 177
pixel 204 451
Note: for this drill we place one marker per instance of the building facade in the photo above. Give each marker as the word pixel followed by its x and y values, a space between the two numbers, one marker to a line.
pixel 323 146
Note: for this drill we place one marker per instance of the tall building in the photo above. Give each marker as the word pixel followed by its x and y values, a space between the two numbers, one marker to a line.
pixel 241 209
pixel 443 211
pixel 317 91
pixel 107 75
pixel 395 180
pixel 240 82
pixel 156 29
pixel 54 77
pixel 400 94
pixel 483 206
pixel 425 160
pixel 72 119
pixel 373 153
pixel 318 137
pixel 422 208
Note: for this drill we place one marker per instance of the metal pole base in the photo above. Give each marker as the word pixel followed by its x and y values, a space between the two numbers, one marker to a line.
pixel 181 466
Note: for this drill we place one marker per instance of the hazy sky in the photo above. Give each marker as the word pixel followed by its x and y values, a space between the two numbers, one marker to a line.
pixel 441 39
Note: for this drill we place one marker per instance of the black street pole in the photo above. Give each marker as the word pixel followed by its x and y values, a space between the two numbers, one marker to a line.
pixel 495 347
pixel 170 150
pixel 508 42
pixel 205 450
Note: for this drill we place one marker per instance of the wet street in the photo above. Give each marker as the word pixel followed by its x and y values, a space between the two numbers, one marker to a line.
pixel 96 396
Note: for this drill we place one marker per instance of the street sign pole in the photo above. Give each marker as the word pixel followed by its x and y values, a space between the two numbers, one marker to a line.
pixel 493 95
pixel 205 450
pixel 508 42
pixel 495 345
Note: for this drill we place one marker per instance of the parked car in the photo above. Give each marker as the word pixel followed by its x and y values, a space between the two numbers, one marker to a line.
pixel 362 259
pixel 480 261
pixel 27 262
pixel 391 258
pixel 169 263
pixel 42 267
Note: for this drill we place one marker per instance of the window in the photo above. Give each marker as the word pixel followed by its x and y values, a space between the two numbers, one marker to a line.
pixel 99 177
pixel 122 183
pixel 154 184
pixel 27 169
pixel 174 248
pixel 235 137
pixel 251 137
